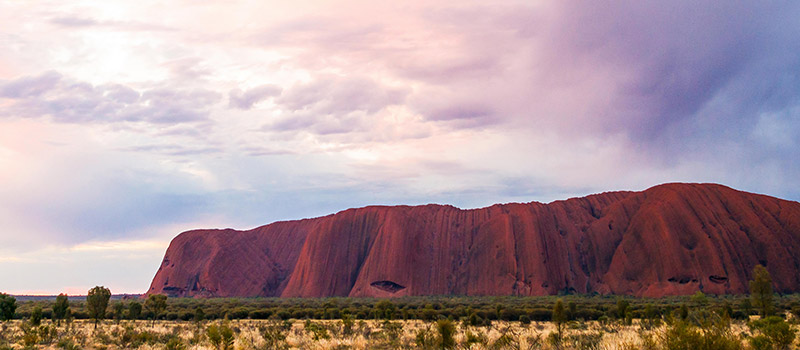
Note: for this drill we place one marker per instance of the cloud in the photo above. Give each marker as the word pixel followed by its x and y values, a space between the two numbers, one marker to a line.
pixel 246 99
pixel 187 68
pixel 341 94
pixel 173 149
pixel 73 21
pixel 265 151
pixel 335 105
pixel 678 82
pixel 68 101
pixel 665 64
pixel 328 32
pixel 82 22
pixel 30 87
pixel 650 71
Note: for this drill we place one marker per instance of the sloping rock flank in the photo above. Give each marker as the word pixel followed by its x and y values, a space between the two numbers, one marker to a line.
pixel 668 240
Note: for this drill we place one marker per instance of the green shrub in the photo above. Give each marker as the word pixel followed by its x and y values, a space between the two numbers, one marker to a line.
pixel 524 319
pixel 447 331
pixel 509 314
pixel 36 316
pixel 274 334
pixel 8 305
pixel 239 313
pixel 473 338
pixel 316 330
pixel 622 308
pixel 535 341
pixel 474 320
pixel 586 341
pixel 47 334
pixel 771 333
pixel 541 314
pixel 796 312
pixel 760 342
pixel 555 340
pixel 424 339
pixel 30 337
pixel 221 337
pixel 175 343
pixel 708 333
pixel 347 325
pixel 199 314
pixel 506 340
pixel 648 342
pixel 67 344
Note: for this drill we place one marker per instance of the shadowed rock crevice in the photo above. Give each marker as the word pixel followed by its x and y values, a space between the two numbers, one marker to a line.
pixel 387 286
pixel 717 279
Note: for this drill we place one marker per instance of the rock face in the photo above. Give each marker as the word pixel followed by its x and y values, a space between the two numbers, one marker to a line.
pixel 670 239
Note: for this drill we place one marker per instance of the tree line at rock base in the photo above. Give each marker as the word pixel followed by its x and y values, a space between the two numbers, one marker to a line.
pixel 504 308
pixel 694 322
pixel 476 310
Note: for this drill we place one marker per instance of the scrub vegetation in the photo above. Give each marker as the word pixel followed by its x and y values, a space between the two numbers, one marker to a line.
pixel 757 321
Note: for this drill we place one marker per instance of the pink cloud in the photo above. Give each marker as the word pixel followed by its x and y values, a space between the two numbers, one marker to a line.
pixel 70 101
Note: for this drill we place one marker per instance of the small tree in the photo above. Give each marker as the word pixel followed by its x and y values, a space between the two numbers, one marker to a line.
pixel 36 316
pixel 199 315
pixel 60 308
pixel 8 306
pixel 134 310
pixel 559 318
pixel 68 318
pixel 622 309
pixel 97 303
pixel 761 290
pixel 119 308
pixel 572 310
pixel 746 306
pixel 156 303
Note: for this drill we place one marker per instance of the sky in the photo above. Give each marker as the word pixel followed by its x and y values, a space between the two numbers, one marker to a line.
pixel 124 123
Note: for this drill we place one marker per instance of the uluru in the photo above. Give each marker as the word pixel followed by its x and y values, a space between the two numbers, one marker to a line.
pixel 670 239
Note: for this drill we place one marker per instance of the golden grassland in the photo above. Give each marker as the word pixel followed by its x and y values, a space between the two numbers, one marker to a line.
pixel 334 334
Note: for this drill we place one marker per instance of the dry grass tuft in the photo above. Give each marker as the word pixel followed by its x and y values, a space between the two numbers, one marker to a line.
pixel 323 335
